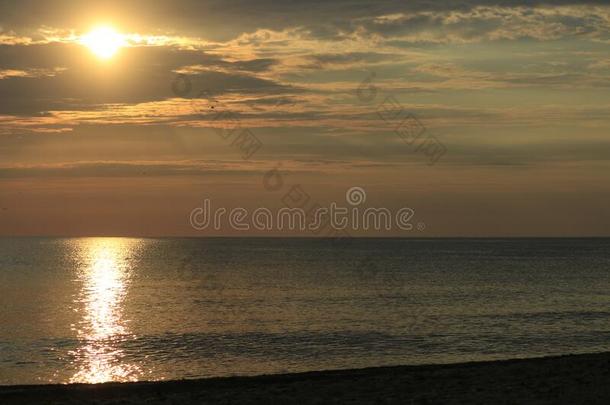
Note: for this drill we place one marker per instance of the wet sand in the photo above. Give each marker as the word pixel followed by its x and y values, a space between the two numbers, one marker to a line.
pixel 566 379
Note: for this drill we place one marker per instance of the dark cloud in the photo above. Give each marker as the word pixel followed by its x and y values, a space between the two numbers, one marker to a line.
pixel 347 58
pixel 225 19
pixel 121 169
pixel 207 168
pixel 140 74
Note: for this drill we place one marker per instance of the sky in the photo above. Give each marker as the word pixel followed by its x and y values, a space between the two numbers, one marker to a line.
pixel 486 118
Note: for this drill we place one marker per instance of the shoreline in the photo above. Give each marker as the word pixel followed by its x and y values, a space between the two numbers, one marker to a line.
pixel 572 378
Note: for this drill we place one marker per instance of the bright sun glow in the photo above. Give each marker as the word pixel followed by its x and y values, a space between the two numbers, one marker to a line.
pixel 103 42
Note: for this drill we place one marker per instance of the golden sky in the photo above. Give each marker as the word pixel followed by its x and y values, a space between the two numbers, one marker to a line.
pixel 116 117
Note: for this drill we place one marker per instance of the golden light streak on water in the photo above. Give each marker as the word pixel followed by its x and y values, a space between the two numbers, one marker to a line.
pixel 105 278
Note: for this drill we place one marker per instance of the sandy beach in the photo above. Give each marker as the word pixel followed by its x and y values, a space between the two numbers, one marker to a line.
pixel 566 379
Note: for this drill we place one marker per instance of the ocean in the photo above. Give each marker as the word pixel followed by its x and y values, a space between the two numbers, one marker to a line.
pixel 121 309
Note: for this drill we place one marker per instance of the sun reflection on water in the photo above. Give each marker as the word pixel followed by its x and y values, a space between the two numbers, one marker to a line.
pixel 105 277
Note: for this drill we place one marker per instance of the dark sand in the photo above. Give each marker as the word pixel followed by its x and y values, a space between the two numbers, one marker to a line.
pixel 571 379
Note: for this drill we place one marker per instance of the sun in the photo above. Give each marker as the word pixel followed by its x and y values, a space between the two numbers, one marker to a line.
pixel 103 41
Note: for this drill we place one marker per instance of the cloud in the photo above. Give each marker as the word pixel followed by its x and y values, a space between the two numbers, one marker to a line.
pixel 68 78
pixel 30 73
pixel 134 168
pixel 602 64
pixel 302 72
